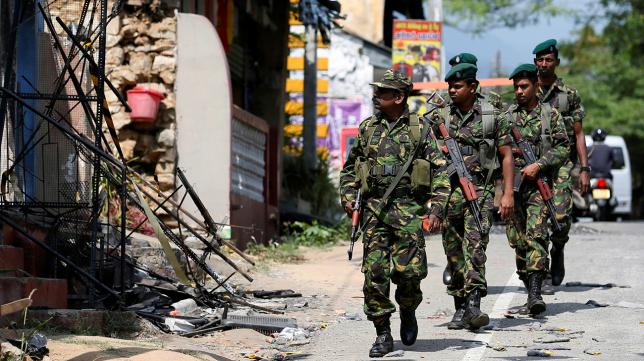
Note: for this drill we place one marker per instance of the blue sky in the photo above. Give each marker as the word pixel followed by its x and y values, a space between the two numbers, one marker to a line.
pixel 515 44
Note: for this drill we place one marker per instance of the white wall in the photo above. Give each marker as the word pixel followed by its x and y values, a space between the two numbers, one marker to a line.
pixel 203 113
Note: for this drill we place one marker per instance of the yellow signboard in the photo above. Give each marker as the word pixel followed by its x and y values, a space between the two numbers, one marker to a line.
pixel 417 49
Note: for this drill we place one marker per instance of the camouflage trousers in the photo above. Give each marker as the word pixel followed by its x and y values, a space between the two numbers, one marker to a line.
pixel 464 245
pixel 527 232
pixel 563 184
pixel 396 255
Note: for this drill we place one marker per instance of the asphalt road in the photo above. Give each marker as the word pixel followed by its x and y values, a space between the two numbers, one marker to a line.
pixel 597 253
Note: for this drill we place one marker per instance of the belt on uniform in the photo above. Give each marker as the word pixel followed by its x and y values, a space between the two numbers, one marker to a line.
pixel 467 150
pixel 404 192
pixel 387 170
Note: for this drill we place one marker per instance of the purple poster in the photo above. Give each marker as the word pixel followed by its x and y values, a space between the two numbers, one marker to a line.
pixel 342 114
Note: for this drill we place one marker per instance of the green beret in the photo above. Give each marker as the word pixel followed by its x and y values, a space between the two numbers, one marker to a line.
pixel 394 80
pixel 461 71
pixel 524 71
pixel 549 45
pixel 463 58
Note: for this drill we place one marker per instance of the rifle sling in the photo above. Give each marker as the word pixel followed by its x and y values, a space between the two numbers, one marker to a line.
pixel 398 177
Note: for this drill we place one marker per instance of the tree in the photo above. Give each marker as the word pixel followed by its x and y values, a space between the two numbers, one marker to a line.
pixel 606 68
pixel 480 15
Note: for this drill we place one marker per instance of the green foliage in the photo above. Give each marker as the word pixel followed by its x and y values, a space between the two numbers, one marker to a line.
pixel 312 185
pixel 300 234
pixel 606 68
pixel 315 234
pixel 480 15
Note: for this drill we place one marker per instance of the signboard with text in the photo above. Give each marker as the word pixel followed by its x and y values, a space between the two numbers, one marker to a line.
pixel 416 49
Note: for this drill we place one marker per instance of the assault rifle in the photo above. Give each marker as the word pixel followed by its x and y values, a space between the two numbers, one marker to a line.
pixel 542 182
pixel 464 177
pixel 355 222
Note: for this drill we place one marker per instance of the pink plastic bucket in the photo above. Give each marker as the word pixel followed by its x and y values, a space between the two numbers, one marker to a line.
pixel 144 103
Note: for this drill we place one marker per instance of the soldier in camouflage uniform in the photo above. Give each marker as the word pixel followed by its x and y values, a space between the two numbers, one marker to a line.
pixel 384 144
pixel 475 125
pixel 566 100
pixel 528 230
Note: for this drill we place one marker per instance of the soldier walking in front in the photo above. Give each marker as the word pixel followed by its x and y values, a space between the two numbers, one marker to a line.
pixel 543 129
pixel 400 174
pixel 480 135
pixel 575 169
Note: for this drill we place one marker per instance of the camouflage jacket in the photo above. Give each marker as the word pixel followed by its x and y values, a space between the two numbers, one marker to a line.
pixel 566 100
pixel 390 145
pixel 529 125
pixel 467 130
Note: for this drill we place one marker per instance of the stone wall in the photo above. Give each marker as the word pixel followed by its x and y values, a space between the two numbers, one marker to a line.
pixel 141 50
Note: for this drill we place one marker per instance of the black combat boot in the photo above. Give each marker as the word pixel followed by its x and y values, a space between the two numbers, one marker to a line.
pixel 546 285
pixel 473 317
pixel 557 269
pixel 535 302
pixel 457 320
pixel 384 342
pixel 447 276
pixel 408 327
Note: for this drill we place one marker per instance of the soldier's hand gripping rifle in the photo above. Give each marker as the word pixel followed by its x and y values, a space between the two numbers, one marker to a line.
pixel 542 182
pixel 464 177
pixel 355 223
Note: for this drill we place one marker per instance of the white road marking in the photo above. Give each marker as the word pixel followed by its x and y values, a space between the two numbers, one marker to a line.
pixel 500 307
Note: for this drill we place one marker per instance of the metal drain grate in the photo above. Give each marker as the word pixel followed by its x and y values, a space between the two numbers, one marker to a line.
pixel 263 324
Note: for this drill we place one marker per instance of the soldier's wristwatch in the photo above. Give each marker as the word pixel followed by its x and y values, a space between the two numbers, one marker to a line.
pixel 585 169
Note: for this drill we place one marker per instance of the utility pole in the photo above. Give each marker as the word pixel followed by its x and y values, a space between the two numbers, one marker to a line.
pixel 314 14
pixel 309 124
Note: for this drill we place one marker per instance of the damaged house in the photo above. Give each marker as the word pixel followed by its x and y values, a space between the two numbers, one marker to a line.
pixel 139 149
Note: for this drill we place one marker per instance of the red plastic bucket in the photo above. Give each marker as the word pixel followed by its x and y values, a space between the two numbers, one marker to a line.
pixel 144 103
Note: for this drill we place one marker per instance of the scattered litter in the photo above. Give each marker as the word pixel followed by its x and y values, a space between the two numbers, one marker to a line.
pixel 37 346
pixel 601 285
pixel 592 352
pixel 596 304
pixel 178 325
pixel 556 329
pixel 499 348
pixel 184 307
pixel 509 315
pixel 269 305
pixel 397 353
pixel 299 342
pixel 293 334
pixel 552 340
pixel 276 294
pixel 301 304
pixel 599 339
pixel 324 325
pixel 540 353
pixel 349 317
pixel 534 326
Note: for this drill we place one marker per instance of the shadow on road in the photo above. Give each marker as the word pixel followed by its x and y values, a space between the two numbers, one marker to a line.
pixel 496 290
pixel 439 344
pixel 561 307
pixel 515 358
